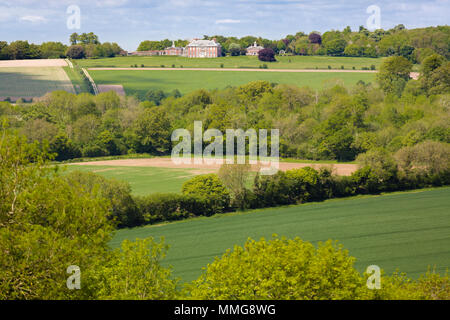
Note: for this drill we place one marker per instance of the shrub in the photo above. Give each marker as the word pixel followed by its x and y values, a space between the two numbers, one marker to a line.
pixel 170 207
pixel 142 66
pixel 342 67
pixel 372 67
pixel 280 269
pixel 304 184
pixel 221 65
pixel 208 188
pixel 163 66
pixel 329 67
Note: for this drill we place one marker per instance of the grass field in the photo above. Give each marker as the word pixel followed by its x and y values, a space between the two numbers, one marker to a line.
pixel 409 231
pixel 28 82
pixel 143 180
pixel 140 81
pixel 284 62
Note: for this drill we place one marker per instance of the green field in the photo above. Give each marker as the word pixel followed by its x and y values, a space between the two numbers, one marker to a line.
pixel 409 231
pixel 143 180
pixel 140 81
pixel 283 62
pixel 28 82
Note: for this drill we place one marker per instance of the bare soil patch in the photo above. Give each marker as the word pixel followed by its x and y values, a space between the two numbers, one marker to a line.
pixel 33 63
pixel 339 169
pixel 118 88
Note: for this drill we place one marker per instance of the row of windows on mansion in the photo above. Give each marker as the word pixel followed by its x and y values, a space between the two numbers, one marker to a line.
pixel 195 49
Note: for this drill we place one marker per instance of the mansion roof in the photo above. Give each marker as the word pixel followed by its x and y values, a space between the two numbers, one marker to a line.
pixel 203 43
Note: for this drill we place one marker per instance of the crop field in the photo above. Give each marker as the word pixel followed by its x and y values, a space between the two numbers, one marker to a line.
pixel 143 180
pixel 409 231
pixel 140 81
pixel 29 82
pixel 283 62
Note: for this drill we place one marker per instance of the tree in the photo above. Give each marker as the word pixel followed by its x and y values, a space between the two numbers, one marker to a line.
pixel 235 178
pixel 434 75
pixel 123 210
pixel 280 269
pixel 335 47
pixel 151 132
pixel 208 187
pixel 394 74
pixel 267 55
pixel 135 272
pixel 155 96
pixel 234 49
pixel 53 50
pixel 74 38
pixel 315 38
pixel 75 52
pixel 44 230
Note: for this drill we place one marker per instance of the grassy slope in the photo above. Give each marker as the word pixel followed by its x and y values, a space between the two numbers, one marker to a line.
pixel 77 81
pixel 186 81
pixel 285 62
pixel 32 82
pixel 143 180
pixel 408 231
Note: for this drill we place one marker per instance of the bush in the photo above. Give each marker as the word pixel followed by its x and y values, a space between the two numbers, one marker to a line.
pixel 329 67
pixel 170 207
pixel 280 269
pixel 372 67
pixel 304 185
pixel 208 188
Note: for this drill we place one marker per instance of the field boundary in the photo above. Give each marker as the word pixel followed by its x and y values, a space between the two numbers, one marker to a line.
pixel 88 76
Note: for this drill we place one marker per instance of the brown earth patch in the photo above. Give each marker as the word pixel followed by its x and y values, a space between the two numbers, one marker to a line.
pixel 33 63
pixel 118 88
pixel 339 169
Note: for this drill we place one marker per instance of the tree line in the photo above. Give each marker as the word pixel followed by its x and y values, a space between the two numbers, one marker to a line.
pixel 413 44
pixel 85 45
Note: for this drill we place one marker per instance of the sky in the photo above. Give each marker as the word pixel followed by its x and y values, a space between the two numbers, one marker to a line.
pixel 128 22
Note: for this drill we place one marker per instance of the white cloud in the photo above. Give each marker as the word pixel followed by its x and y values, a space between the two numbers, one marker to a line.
pixel 223 21
pixel 33 19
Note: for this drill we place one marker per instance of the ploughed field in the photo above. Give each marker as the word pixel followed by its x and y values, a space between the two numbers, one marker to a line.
pixel 408 231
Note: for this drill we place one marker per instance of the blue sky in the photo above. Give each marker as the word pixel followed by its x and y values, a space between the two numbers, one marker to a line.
pixel 128 22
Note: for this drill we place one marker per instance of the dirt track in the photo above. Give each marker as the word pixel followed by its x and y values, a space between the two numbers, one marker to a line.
pixel 340 169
